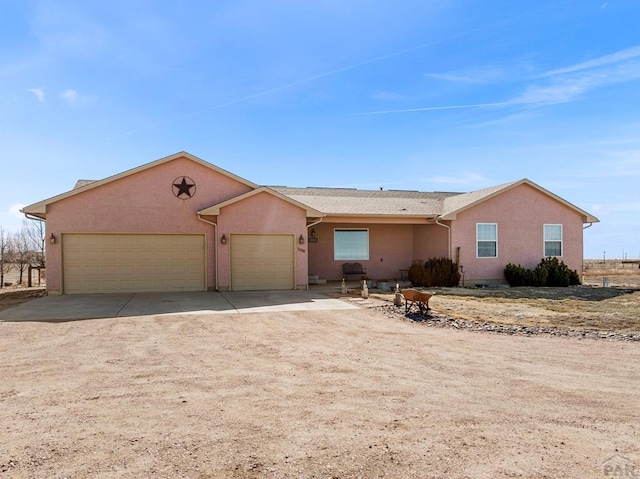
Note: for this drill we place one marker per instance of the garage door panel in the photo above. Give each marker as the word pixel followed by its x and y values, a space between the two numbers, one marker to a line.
pixel 94 263
pixel 262 262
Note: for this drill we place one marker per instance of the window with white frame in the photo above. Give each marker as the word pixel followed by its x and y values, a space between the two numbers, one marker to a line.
pixel 351 244
pixel 487 240
pixel 552 240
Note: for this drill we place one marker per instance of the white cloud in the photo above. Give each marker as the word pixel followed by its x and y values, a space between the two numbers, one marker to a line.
pixel 610 208
pixel 389 96
pixel 557 86
pixel 625 163
pixel 505 119
pixel 450 77
pixel 566 87
pixel 38 93
pixel 14 210
pixel 70 96
pixel 556 93
pixel 474 75
pixel 569 83
pixel 616 57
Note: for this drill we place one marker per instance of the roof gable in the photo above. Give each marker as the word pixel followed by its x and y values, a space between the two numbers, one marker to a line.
pixel 40 209
pixel 457 204
pixel 215 209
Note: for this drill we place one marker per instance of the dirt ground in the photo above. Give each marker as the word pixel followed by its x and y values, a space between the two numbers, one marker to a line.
pixel 341 394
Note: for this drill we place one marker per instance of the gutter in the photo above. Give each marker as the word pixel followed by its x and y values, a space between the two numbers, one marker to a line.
pixel 215 247
pixel 448 235
pixel 31 217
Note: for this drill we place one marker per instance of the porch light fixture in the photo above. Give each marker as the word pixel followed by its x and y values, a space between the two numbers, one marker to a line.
pixel 223 240
pixel 52 239
pixel 301 239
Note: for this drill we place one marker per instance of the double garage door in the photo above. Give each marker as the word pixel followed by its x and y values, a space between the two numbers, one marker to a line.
pixel 111 263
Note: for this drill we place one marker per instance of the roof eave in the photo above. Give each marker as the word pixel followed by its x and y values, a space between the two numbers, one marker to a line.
pixel 96 184
pixel 382 215
pixel 38 213
pixel 35 209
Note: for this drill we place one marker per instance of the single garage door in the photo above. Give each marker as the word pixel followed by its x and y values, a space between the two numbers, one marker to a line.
pixel 262 262
pixel 112 263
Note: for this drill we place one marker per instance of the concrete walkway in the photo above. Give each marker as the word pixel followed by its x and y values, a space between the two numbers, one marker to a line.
pixel 91 306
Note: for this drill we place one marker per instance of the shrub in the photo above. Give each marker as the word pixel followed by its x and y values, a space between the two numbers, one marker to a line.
pixel 416 273
pixel 434 272
pixel 549 272
pixel 516 275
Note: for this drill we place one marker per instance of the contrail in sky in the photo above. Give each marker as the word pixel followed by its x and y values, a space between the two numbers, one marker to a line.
pixel 435 108
pixel 341 70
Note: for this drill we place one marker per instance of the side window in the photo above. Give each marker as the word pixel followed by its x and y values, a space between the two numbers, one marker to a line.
pixel 487 240
pixel 350 244
pixel 552 240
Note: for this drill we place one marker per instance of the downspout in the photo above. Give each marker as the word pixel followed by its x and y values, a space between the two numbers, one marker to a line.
pixel 310 226
pixel 448 236
pixel 584 228
pixel 215 246
pixel 313 224
pixel 44 245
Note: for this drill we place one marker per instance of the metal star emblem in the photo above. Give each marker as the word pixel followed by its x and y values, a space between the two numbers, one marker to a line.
pixel 182 187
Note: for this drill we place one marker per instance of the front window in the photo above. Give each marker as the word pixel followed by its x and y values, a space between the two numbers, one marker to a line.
pixel 351 245
pixel 552 240
pixel 487 240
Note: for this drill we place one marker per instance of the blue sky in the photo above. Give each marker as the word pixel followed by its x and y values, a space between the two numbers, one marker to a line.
pixel 428 95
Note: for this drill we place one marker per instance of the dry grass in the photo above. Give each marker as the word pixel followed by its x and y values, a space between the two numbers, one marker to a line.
pixel 10 297
pixel 588 307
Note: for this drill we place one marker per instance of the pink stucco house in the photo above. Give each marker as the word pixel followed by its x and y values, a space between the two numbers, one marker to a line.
pixel 182 224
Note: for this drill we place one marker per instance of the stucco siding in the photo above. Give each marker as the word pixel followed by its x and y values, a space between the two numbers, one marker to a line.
pixel 430 241
pixel 520 214
pixel 141 203
pixel 390 249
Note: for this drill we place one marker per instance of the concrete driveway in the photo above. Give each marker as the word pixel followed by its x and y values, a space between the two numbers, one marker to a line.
pixel 90 306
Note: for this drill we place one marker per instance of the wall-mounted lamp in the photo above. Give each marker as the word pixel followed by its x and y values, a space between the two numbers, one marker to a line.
pixel 301 239
pixel 52 239
pixel 223 240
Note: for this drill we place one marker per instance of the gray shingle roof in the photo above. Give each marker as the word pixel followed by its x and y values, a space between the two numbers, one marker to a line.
pixel 345 201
